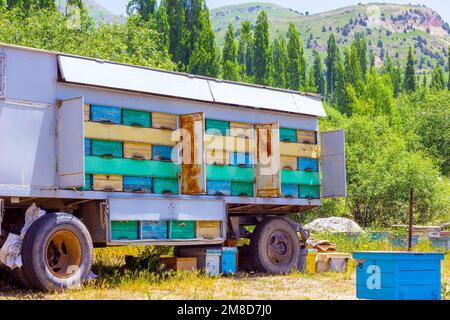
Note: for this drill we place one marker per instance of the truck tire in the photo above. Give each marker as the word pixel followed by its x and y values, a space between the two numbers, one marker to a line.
pixel 275 246
pixel 57 252
pixel 19 279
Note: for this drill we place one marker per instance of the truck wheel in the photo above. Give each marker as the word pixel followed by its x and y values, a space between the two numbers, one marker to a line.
pixel 57 252
pixel 275 246
pixel 19 279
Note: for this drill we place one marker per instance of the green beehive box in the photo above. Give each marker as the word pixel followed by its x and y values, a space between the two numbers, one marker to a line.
pixel 137 118
pixel 182 229
pixel 103 148
pixel 309 192
pixel 218 125
pixel 230 173
pixel 300 177
pixel 165 186
pixel 288 135
pixel 124 230
pixel 242 189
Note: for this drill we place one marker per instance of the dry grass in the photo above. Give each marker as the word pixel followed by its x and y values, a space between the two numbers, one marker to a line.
pixel 142 284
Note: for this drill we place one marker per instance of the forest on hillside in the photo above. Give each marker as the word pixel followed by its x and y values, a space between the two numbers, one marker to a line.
pixel 397 123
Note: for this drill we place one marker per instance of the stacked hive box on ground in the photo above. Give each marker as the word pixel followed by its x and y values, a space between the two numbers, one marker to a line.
pixel 299 154
pixel 229 158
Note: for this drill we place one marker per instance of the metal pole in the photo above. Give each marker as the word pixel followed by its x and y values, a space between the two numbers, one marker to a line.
pixel 411 204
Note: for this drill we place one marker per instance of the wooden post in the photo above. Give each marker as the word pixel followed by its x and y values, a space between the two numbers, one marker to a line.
pixel 411 204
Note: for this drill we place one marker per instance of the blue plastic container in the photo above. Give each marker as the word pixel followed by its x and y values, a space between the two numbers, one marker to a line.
pixel 162 153
pixel 398 275
pixel 308 164
pixel 104 114
pixel 218 188
pixel 229 260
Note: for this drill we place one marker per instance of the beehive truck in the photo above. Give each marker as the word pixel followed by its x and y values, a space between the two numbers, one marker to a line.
pixel 96 153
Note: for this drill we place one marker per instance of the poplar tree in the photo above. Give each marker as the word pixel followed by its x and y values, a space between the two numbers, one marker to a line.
pixel 204 60
pixel 318 73
pixel 410 74
pixel 437 79
pixel 162 25
pixel 279 62
pixel 361 46
pixel 177 34
pixel 146 8
pixel 448 83
pixel 261 49
pixel 245 50
pixel 293 63
pixel 331 61
pixel 397 79
pixel 353 74
pixel 229 56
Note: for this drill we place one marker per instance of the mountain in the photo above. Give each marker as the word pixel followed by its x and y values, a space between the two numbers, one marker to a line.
pixel 389 28
pixel 98 12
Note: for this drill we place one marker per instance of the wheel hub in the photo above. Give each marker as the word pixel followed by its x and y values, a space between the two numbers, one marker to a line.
pixel 279 247
pixel 63 254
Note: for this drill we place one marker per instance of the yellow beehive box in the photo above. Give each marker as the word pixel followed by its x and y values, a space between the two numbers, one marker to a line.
pixel 180 264
pixel 288 163
pixel 299 150
pixel 87 112
pixel 137 150
pixel 108 183
pixel 240 129
pixel 230 144
pixel 164 121
pixel 219 157
pixel 208 229
pixel 309 137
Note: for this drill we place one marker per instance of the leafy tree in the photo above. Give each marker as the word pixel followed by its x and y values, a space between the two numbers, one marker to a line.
pixel 410 73
pixel 280 58
pixel 361 46
pixel 353 74
pixel 437 79
pixel 293 65
pixel 311 82
pixel 448 83
pixel 146 8
pixel 331 63
pixel 318 73
pixel 163 27
pixel 261 49
pixel 177 36
pixel 229 56
pixel 245 50
pixel 204 60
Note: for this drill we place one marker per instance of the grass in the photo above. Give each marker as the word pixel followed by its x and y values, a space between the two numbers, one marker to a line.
pixel 116 283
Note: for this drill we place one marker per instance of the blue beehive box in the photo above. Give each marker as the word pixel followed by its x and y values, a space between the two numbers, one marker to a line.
pixel 398 275
pixel 402 242
pixel 137 184
pixel 162 153
pixel 229 260
pixel 154 230
pixel 289 190
pixel 104 114
pixel 308 164
pixel 218 188
pixel 378 235
pixel 87 147
pixel 440 242
pixel 240 159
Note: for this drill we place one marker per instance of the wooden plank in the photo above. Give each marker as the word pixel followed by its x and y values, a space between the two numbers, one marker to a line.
pixel 240 129
pixel 164 121
pixel 193 172
pixel 94 130
pixel 307 137
pixel 299 150
pixel 268 182
pixel 87 112
pixel 107 182
pixel 131 167
pixel 230 144
pixel 289 163
pixel 137 150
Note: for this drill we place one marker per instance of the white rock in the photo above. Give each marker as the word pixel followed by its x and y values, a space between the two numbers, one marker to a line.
pixel 333 224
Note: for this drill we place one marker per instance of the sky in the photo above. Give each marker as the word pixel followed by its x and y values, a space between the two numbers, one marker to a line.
pixel 442 7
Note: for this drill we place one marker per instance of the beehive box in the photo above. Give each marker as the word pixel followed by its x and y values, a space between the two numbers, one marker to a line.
pixel 165 186
pixel 288 135
pixel 162 153
pixel 104 148
pixel 154 230
pixel 136 118
pixel 181 230
pixel 242 189
pixel 124 230
pixel 208 259
pixel 289 190
pixel 164 121
pixel 309 192
pixel 402 242
pixel 229 260
pixel 440 242
pixel 308 137
pixel 105 114
pixel 217 127
pixel 180 264
pixel 218 188
pixel 289 163
pixel 240 129
pixel 87 147
pixel 87 182
pixel 209 229
pixel 108 183
pixel 308 164
pixel 398 275
pixel 240 159
pixel 217 157
pixel 137 184
pixel 137 150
